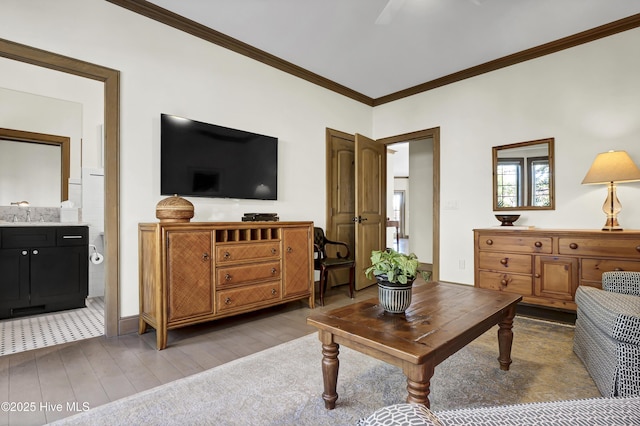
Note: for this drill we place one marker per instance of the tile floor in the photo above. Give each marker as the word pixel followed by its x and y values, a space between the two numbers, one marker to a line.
pixel 39 331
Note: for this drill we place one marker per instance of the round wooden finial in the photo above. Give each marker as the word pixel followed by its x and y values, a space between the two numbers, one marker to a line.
pixel 174 209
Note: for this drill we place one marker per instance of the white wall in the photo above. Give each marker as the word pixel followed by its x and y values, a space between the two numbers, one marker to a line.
pixel 167 71
pixel 420 229
pixel 587 98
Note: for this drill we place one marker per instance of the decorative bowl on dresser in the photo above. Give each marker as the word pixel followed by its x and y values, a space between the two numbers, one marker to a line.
pixel 201 271
pixel 546 266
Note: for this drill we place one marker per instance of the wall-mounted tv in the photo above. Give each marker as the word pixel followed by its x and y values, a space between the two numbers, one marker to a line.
pixel 204 160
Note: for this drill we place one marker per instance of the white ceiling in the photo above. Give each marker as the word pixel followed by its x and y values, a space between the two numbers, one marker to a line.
pixel 420 42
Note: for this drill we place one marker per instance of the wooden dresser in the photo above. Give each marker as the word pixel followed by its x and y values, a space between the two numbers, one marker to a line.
pixel 197 272
pixel 546 266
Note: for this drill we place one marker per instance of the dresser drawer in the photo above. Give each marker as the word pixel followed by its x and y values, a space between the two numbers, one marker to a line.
pixel 614 247
pixel 228 300
pixel 520 284
pixel 231 275
pixel 513 243
pixel 241 252
pixel 519 263
pixel 592 269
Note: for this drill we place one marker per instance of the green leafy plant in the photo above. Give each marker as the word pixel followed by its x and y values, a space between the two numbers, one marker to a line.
pixel 397 267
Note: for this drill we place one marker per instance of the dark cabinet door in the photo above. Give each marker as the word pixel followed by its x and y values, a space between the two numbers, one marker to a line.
pixel 59 276
pixel 14 280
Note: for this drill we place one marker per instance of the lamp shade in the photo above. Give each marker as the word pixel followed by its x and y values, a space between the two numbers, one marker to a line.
pixel 612 166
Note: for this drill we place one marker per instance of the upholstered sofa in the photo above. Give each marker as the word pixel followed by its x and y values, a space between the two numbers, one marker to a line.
pixel 584 412
pixel 607 336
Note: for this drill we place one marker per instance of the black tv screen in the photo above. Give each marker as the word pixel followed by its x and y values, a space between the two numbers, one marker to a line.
pixel 204 160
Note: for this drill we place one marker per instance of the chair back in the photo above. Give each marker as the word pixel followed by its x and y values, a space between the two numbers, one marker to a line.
pixel 319 243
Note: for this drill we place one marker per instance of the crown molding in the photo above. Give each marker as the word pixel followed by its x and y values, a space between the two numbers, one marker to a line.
pixel 602 31
pixel 181 23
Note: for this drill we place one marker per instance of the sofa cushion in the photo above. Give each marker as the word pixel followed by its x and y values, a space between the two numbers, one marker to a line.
pixel 625 282
pixel 617 315
pixel 401 415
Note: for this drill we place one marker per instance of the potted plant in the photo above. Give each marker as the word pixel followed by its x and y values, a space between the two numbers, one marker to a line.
pixel 395 273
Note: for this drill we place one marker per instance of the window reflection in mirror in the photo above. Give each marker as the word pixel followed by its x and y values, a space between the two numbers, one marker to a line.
pixel 523 176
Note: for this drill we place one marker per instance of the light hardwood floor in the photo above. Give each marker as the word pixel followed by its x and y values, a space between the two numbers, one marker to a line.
pixel 48 384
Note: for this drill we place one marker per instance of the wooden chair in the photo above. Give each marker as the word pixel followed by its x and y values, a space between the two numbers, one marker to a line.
pixel 324 264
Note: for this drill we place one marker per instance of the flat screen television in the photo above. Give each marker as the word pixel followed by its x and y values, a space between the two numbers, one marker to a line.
pixel 204 160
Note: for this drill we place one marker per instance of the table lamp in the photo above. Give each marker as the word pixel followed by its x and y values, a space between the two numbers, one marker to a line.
pixel 610 168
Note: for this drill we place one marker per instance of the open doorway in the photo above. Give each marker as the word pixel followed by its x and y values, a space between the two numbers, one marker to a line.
pixel 410 199
pixel 341 189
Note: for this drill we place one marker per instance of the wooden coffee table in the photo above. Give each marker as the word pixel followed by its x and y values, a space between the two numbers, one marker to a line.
pixel 441 320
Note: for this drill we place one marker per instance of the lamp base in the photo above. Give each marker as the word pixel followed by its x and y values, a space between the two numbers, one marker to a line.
pixel 612 225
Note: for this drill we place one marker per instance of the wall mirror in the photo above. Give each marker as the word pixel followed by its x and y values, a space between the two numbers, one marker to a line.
pixel 523 176
pixel 33 167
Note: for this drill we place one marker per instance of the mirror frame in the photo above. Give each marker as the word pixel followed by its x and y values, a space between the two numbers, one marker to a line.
pixel 41 138
pixel 552 191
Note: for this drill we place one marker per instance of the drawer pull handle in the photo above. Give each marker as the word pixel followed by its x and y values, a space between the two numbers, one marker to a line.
pixel 637 248
pixel 227 255
pixel 504 261
pixel 273 291
pixel 273 271
pixel 504 281
pixel 573 246
pixel 538 244
pixel 273 250
pixel 205 257
pixel 489 242
pixel 35 252
pixel 71 237
pixel 618 269
pixel 537 275
pixel 24 252
pixel 227 277
pixel 227 301
pixel 289 249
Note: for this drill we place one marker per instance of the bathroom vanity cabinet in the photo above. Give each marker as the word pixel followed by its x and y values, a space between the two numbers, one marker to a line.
pixel 43 269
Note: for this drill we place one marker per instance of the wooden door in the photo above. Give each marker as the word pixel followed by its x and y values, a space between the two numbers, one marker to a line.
pixel 556 277
pixel 189 275
pixel 296 261
pixel 341 202
pixel 371 203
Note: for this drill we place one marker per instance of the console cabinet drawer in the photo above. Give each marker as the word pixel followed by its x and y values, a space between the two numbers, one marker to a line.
pixel 228 300
pixel 517 244
pixel 242 252
pixel 507 262
pixel 592 269
pixel 520 284
pixel 231 275
pixel 615 247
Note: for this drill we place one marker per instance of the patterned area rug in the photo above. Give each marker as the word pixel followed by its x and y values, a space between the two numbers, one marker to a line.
pixel 40 331
pixel 283 385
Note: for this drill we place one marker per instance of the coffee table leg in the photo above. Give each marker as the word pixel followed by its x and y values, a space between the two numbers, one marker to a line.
pixel 419 383
pixel 505 338
pixel 330 364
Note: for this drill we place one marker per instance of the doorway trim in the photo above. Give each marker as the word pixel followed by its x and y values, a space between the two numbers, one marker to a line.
pixel 111 80
pixel 433 133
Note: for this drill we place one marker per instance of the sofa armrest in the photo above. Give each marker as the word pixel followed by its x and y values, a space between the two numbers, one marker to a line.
pixel 625 282
pixel 617 315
